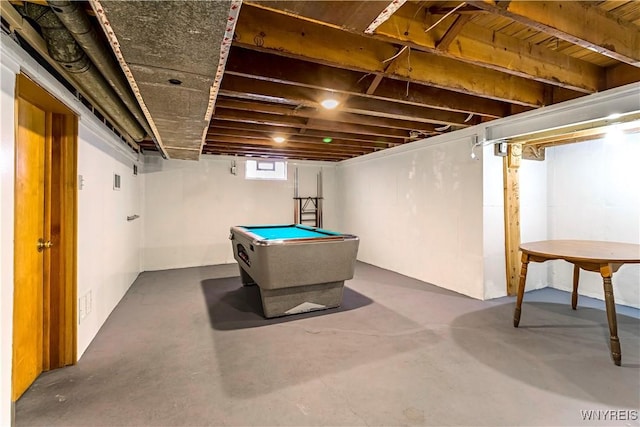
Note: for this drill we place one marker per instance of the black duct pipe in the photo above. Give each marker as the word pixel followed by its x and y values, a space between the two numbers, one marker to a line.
pixel 77 23
pixel 65 50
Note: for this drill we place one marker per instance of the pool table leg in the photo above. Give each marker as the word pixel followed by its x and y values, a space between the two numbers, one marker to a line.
pixel 616 353
pixel 523 279
pixel 576 278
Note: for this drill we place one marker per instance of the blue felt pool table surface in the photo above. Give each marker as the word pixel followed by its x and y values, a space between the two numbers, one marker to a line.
pixel 279 232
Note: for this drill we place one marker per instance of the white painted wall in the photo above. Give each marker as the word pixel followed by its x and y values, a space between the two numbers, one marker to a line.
pixel 8 69
pixel 190 206
pixel 493 225
pixel 109 254
pixel 594 193
pixel 533 220
pixel 108 246
pixel 418 210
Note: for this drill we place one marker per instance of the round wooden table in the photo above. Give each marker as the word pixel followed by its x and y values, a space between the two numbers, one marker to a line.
pixel 603 257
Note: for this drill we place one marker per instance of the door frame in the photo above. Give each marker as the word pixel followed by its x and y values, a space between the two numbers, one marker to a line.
pixel 60 213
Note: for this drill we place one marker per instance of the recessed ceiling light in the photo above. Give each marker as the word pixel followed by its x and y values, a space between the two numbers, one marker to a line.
pixel 613 116
pixel 175 82
pixel 278 139
pixel 330 103
pixel 327 140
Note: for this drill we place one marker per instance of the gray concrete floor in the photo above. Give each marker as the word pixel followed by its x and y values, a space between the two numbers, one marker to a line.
pixel 190 347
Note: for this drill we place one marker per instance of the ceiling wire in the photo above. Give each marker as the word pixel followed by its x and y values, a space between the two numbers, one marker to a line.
pixel 363 77
pixel 444 17
pixel 396 55
pixel 409 68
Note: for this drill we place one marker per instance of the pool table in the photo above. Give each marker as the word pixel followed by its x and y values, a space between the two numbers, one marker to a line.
pixel 297 268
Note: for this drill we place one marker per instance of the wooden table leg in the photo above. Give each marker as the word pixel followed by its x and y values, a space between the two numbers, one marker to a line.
pixel 574 295
pixel 610 303
pixel 523 279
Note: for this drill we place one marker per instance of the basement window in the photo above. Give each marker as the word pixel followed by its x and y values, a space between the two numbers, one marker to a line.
pixel 266 169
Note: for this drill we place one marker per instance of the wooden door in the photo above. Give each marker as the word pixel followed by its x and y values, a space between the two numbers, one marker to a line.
pixel 44 321
pixel 28 259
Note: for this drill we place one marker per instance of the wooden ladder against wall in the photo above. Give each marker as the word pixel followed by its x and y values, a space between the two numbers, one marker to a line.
pixel 308 210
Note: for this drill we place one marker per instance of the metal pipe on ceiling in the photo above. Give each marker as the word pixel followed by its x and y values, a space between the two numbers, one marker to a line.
pixel 83 32
pixel 65 50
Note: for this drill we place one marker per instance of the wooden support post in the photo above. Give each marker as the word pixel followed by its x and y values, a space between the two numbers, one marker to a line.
pixel 511 164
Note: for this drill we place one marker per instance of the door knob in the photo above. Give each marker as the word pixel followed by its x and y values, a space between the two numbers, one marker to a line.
pixel 42 245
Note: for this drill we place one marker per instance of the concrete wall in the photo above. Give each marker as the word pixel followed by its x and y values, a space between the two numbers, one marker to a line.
pixel 418 211
pixel 108 245
pixel 594 193
pixel 190 206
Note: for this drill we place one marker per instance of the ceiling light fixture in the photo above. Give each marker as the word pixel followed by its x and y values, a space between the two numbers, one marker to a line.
pixel 330 103
pixel 279 139
pixel 327 140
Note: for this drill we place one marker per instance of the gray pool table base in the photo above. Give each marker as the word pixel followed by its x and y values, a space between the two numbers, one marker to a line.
pixel 301 299
pixel 297 299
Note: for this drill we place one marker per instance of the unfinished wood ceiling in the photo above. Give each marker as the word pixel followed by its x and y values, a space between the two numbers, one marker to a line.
pixel 403 71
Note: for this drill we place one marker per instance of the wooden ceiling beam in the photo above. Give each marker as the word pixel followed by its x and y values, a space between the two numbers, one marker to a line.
pixel 262 151
pixel 621 74
pixel 272 154
pixel 245 88
pixel 326 148
pixel 297 38
pixel 339 116
pixel 392 110
pixel 298 122
pixel 581 24
pixel 213 144
pixel 272 66
pixel 228 124
pixel 292 137
pixel 355 15
pixel 417 94
pixel 497 51
pixel 452 32
pixel 280 69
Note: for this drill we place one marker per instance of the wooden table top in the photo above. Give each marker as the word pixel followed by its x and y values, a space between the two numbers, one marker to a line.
pixel 584 251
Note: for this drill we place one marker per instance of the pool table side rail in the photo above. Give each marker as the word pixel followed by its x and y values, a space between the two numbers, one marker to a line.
pixel 300 226
pixel 261 241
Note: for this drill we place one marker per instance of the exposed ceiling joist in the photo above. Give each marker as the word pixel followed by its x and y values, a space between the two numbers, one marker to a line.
pixel 427 67
pixel 319 134
pixel 290 37
pixel 588 27
pixel 295 72
pixel 342 116
pixel 489 49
